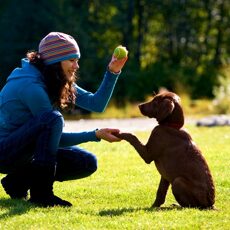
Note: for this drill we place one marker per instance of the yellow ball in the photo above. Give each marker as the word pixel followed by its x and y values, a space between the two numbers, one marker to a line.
pixel 120 52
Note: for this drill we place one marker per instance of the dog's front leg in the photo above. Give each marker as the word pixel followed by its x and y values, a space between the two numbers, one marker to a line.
pixel 140 148
pixel 161 193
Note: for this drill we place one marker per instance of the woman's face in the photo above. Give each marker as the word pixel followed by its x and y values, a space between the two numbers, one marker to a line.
pixel 70 67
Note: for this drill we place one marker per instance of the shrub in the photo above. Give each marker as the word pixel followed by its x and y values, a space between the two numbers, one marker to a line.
pixel 221 103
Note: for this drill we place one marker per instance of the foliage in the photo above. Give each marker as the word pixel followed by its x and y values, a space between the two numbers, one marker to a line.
pixel 221 103
pixel 172 44
pixel 120 193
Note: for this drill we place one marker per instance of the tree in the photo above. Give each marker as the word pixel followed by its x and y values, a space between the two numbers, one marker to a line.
pixel 174 44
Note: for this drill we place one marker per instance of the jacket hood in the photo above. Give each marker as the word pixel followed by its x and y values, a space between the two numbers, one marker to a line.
pixel 27 70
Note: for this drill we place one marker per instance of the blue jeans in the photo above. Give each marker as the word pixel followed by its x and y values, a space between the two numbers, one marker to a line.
pixel 37 141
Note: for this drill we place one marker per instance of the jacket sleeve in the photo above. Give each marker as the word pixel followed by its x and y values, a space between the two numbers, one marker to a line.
pixel 98 101
pixel 70 139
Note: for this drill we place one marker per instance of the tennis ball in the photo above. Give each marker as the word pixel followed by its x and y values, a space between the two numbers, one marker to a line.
pixel 120 52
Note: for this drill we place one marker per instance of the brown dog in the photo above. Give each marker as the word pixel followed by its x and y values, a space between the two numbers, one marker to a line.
pixel 176 156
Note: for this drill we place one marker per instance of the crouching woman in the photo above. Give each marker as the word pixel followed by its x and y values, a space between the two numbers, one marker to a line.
pixel 34 150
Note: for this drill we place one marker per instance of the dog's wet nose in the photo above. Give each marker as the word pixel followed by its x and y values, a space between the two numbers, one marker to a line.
pixel 142 109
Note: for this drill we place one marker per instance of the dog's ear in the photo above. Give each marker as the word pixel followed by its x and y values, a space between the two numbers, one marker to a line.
pixel 164 109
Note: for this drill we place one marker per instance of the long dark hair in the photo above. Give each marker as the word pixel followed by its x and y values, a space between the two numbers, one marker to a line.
pixel 59 88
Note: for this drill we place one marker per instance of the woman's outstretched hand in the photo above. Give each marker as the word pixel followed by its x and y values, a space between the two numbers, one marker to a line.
pixel 107 134
pixel 116 65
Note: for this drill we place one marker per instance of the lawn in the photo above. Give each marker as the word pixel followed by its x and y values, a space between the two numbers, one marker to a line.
pixel 120 193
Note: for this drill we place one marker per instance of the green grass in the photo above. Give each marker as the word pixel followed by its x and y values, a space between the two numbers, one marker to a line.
pixel 119 194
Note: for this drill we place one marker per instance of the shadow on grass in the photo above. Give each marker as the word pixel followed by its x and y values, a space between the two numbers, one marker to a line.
pixel 120 211
pixel 13 207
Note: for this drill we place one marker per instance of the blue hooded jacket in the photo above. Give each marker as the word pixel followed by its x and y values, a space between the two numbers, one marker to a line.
pixel 25 96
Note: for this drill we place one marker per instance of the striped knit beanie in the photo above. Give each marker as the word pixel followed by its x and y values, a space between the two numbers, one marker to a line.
pixel 56 47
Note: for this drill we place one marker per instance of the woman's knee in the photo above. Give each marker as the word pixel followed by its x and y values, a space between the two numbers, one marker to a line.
pixel 75 163
pixel 91 163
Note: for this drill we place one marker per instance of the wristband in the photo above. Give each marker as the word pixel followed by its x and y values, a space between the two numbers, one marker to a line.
pixel 116 73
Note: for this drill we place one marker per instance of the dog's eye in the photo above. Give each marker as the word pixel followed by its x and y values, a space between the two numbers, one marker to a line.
pixel 155 103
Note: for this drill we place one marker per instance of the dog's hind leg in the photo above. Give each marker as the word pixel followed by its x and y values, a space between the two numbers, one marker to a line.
pixel 191 195
pixel 203 198
pixel 183 192
pixel 161 193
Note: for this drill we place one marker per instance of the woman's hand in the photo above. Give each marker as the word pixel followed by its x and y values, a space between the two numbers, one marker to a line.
pixel 107 134
pixel 116 65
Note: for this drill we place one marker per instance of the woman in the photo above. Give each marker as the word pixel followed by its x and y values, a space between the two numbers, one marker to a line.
pixel 34 150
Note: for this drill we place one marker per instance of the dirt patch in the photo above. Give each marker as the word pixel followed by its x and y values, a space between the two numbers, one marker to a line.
pixel 133 124
pixel 129 124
